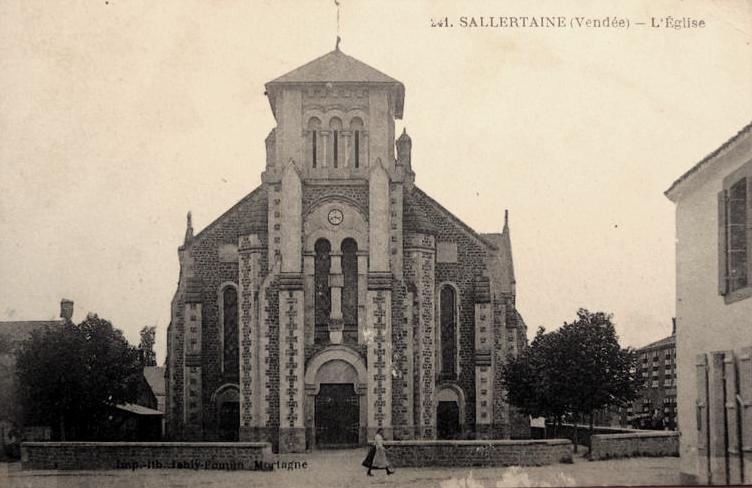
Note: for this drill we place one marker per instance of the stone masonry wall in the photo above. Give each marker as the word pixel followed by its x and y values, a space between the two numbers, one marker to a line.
pixel 246 217
pixel 152 455
pixel 650 443
pixel 478 453
pixel 471 261
pixel 313 193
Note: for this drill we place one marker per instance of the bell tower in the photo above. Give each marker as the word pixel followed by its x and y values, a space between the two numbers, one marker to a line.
pixel 331 165
pixel 335 118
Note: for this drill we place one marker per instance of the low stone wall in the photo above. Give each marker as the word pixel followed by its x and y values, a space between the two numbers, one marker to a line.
pixel 479 452
pixel 643 443
pixel 566 431
pixel 147 455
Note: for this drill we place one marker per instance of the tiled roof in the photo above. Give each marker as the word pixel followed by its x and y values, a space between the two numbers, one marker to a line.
pixel 334 66
pixel 20 330
pixel 697 167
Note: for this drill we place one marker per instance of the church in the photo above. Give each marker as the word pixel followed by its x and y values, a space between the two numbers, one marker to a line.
pixel 338 298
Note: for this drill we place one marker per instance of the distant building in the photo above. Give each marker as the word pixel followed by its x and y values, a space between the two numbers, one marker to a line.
pixel 339 298
pixel 714 314
pixel 655 407
pixel 142 420
pixel 12 335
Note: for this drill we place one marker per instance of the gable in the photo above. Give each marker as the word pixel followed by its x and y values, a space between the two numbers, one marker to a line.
pixel 248 216
pixel 441 217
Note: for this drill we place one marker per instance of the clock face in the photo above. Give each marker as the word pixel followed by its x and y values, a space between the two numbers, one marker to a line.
pixel 335 216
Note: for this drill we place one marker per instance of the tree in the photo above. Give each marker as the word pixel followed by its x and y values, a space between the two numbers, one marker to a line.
pixel 5 345
pixel 575 370
pixel 146 345
pixel 530 383
pixel 599 371
pixel 71 376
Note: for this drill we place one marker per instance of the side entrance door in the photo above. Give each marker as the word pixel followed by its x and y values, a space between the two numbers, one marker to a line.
pixel 448 420
pixel 229 421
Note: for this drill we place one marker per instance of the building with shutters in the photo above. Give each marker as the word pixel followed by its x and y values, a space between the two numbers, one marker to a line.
pixel 338 298
pixel 714 314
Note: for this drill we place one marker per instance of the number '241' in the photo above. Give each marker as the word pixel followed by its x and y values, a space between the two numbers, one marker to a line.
pixel 441 22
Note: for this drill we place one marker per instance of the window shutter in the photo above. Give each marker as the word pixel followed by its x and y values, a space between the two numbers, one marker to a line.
pixel 703 442
pixel 722 244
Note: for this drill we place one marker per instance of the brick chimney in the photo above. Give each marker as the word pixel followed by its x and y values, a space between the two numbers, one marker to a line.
pixel 673 326
pixel 66 309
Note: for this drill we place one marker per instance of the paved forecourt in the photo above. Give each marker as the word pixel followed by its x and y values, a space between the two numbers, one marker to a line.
pixel 341 468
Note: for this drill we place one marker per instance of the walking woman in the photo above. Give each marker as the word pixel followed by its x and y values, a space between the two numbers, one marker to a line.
pixel 376 458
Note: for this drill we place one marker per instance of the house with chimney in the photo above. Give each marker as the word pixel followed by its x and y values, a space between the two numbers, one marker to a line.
pixel 12 335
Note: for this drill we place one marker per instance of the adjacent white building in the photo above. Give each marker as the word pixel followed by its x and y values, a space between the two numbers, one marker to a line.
pixel 714 314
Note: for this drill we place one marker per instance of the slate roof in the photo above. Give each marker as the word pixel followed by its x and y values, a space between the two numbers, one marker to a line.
pixel 666 341
pixel 670 193
pixel 155 377
pixel 420 195
pixel 252 212
pixel 504 245
pixel 137 409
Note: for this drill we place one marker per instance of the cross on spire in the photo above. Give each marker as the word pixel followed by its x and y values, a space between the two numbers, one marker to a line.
pixel 339 39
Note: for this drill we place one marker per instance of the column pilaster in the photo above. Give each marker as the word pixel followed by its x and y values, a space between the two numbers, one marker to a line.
pixel 484 370
pixel 379 353
pixel 291 364
pixel 249 271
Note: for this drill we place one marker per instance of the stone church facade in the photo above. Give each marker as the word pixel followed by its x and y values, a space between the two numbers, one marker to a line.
pixel 338 298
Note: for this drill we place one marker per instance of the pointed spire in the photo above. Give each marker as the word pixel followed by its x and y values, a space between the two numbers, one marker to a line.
pixel 507 263
pixel 188 228
pixel 404 148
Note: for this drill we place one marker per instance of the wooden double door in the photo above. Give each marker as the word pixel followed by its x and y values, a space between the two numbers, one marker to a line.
pixel 337 416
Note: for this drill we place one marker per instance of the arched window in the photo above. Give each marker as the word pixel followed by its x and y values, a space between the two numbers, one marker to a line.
pixel 323 298
pixel 230 351
pixel 448 321
pixel 356 126
pixel 350 290
pixel 335 124
pixel 314 125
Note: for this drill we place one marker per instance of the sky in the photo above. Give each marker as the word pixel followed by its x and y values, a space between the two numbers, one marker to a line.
pixel 117 117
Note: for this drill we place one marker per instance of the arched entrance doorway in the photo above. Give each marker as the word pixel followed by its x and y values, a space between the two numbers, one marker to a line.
pixel 227 403
pixel 450 412
pixel 335 400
